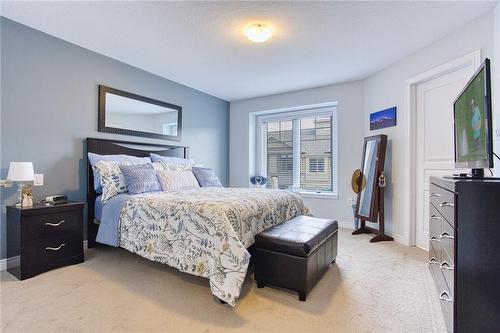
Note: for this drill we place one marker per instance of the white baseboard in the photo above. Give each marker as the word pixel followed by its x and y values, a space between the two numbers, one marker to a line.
pixel 350 225
pixel 3 262
pixel 346 224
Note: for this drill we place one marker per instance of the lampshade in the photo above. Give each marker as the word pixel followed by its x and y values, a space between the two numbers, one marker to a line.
pixel 21 172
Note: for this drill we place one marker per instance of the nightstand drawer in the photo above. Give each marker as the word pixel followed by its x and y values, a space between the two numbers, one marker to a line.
pixel 66 224
pixel 44 254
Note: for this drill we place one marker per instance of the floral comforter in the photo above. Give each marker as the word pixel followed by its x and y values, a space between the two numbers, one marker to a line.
pixel 205 231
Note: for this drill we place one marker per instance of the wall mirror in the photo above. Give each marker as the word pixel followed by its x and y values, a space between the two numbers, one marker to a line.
pixel 121 112
pixel 372 165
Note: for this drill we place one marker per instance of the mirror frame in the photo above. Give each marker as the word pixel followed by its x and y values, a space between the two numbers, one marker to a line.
pixel 102 115
pixel 379 167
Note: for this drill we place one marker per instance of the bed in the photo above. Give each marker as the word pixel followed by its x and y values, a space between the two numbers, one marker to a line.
pixel 205 231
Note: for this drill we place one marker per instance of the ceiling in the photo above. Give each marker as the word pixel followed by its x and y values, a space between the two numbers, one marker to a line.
pixel 201 44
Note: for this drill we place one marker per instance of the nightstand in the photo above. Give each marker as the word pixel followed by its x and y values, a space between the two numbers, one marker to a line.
pixel 41 238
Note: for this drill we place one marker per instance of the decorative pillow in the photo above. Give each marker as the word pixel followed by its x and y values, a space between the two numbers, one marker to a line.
pixel 177 180
pixel 140 178
pixel 158 166
pixel 206 177
pixel 94 158
pixel 175 167
pixel 112 179
pixel 171 160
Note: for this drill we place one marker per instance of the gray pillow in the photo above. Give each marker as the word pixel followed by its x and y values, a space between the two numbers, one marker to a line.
pixel 206 177
pixel 140 178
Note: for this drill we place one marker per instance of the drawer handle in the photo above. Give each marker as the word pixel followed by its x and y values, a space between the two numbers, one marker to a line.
pixel 434 194
pixel 55 248
pixel 434 217
pixel 434 239
pixel 433 261
pixel 55 224
pixel 446 204
pixel 446 235
pixel 445 297
pixel 445 265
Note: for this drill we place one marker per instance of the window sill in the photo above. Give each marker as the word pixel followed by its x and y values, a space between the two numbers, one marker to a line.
pixel 321 195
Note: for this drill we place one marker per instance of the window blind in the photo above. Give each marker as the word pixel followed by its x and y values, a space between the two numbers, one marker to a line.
pixel 279 143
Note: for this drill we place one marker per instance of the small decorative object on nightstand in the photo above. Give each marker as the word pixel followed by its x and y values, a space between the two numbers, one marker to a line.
pixel 43 237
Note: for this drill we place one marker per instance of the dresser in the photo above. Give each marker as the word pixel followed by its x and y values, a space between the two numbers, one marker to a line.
pixel 464 252
pixel 41 238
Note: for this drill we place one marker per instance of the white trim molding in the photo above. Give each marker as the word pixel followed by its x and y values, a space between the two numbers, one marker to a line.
pixel 472 59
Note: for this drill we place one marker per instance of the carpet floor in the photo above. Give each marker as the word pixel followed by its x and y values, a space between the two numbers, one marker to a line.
pixel 383 287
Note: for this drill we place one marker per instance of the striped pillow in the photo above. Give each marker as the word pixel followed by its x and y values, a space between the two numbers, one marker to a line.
pixel 140 178
pixel 176 180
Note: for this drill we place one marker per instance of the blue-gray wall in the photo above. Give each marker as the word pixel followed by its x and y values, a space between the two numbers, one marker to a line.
pixel 49 91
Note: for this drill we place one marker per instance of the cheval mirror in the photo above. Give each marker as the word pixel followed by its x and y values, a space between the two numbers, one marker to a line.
pixel 370 199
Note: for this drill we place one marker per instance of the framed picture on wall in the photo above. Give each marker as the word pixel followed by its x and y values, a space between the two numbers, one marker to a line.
pixel 383 119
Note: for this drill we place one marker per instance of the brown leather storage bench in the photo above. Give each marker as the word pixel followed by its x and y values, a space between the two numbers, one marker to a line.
pixel 296 253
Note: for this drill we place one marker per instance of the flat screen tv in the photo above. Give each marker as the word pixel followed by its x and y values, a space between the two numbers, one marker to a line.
pixel 473 123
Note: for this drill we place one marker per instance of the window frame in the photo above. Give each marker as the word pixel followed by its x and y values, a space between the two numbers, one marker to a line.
pixel 295 116
pixel 316 165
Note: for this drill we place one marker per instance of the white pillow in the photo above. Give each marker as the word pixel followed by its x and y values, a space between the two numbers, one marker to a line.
pixel 175 167
pixel 112 179
pixel 171 180
pixel 158 166
pixel 171 160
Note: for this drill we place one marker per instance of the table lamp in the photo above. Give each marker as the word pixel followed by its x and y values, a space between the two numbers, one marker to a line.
pixel 21 172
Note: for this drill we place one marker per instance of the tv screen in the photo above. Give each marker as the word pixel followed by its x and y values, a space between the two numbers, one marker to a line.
pixel 473 142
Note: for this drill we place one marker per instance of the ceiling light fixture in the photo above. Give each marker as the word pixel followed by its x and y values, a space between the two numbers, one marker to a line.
pixel 258 32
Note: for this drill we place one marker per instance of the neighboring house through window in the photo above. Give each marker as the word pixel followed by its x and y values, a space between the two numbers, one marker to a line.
pixel 316 165
pixel 299 149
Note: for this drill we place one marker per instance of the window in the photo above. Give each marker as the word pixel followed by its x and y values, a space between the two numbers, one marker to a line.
pixel 279 152
pixel 299 149
pixel 316 165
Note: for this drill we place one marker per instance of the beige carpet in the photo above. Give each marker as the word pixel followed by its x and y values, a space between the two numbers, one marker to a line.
pixel 382 287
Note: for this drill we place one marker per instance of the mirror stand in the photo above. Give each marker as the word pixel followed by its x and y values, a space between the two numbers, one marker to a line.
pixel 364 229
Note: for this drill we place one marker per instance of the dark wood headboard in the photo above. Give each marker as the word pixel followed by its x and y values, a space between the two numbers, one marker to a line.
pixel 114 147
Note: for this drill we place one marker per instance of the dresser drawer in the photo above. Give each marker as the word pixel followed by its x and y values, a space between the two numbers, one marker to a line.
pixel 435 221
pixel 66 224
pixel 435 252
pixel 444 202
pixel 448 271
pixel 434 265
pixel 446 300
pixel 44 254
pixel 447 238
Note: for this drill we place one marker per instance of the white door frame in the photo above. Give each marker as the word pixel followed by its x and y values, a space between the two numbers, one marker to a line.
pixel 473 59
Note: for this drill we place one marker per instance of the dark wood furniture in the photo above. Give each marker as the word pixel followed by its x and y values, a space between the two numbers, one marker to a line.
pixel 370 200
pixel 115 147
pixel 464 250
pixel 296 253
pixel 42 237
